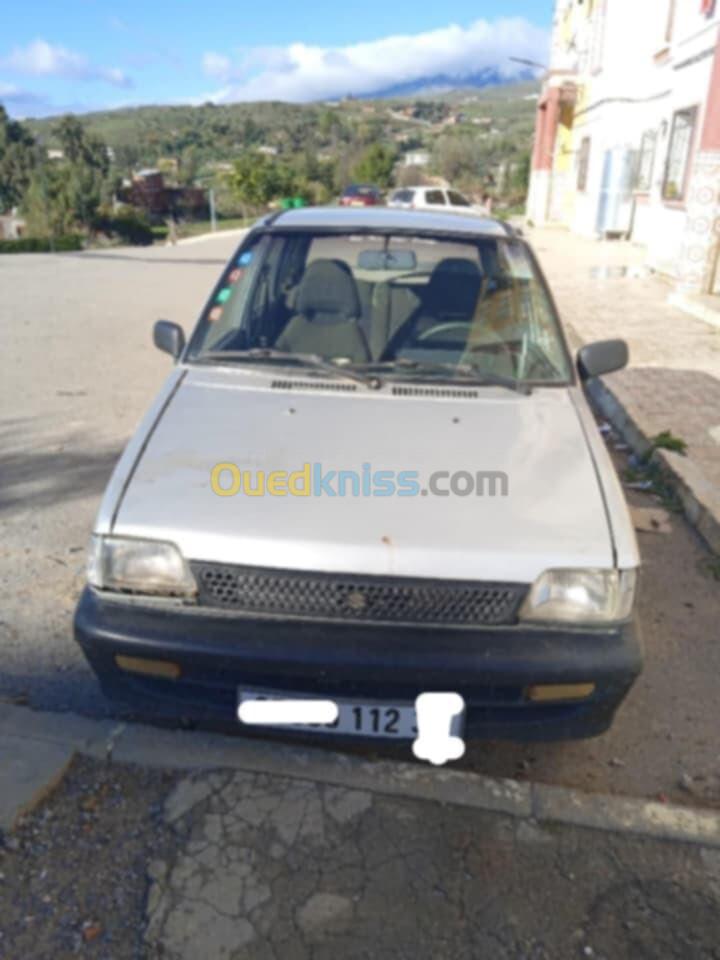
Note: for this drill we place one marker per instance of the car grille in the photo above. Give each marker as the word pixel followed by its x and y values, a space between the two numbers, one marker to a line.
pixel 357 598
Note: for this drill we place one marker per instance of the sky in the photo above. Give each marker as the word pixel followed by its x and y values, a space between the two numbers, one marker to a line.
pixel 82 55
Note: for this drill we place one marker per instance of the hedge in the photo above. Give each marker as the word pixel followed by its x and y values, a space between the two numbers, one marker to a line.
pixel 128 225
pixel 71 241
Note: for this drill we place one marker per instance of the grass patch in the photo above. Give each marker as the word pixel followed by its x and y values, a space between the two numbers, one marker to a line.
pixel 659 485
pixel 667 441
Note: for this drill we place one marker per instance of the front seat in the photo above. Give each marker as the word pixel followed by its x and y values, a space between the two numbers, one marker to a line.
pixel 449 300
pixel 329 311
pixel 452 291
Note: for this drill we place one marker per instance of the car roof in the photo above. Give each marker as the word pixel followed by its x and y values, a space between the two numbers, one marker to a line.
pixel 385 218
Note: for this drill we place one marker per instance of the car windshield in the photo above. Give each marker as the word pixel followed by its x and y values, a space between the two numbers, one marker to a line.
pixel 407 305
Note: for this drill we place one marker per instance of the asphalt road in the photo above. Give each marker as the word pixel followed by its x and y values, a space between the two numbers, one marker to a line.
pixel 77 370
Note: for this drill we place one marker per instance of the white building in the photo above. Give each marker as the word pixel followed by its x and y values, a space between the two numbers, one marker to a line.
pixel 628 130
pixel 416 158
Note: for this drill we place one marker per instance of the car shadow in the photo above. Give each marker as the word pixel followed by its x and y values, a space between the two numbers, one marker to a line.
pixel 32 475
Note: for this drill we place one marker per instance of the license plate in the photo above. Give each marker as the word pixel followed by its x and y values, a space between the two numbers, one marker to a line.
pixel 355 718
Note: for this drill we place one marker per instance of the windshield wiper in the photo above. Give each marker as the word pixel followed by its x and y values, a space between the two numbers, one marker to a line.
pixel 310 360
pixel 464 372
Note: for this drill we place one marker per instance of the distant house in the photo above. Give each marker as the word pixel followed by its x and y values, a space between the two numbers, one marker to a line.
pixel 12 226
pixel 54 153
pixel 148 191
pixel 416 158
pixel 267 150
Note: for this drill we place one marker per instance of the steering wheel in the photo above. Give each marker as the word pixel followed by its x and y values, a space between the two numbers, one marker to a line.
pixel 405 336
pixel 439 331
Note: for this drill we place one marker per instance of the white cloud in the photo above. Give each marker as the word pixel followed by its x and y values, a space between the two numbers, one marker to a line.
pixel 302 72
pixel 43 59
pixel 216 65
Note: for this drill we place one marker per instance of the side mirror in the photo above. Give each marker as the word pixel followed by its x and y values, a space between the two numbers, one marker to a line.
pixel 602 357
pixel 169 337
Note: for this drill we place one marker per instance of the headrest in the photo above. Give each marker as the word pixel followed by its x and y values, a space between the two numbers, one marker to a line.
pixel 454 287
pixel 328 292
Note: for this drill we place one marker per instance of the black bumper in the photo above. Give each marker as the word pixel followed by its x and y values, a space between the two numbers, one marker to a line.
pixel 490 667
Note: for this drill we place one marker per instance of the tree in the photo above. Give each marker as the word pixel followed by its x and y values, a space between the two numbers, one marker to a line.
pixel 86 166
pixel 17 161
pixel 457 158
pixel 411 176
pixel 48 202
pixel 376 165
pixel 188 166
pixel 520 178
pixel 257 179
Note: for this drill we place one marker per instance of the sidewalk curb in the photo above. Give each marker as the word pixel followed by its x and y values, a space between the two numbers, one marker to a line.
pixel 201 237
pixel 190 750
pixel 699 498
pixel 28 777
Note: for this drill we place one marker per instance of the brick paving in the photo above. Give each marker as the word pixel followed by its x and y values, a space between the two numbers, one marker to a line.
pixel 673 381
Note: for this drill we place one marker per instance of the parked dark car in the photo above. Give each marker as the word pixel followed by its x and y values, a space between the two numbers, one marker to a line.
pixel 361 195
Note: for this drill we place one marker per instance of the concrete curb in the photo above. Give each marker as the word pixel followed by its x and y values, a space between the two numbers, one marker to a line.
pixel 694 307
pixel 201 237
pixel 183 750
pixel 699 498
pixel 27 777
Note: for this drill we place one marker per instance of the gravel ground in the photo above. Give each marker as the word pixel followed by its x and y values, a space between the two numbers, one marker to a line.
pixel 73 876
pixel 123 864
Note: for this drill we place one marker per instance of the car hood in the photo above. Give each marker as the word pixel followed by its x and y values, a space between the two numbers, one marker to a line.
pixel 552 513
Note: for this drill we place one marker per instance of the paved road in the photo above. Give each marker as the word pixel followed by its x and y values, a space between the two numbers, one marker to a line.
pixel 76 372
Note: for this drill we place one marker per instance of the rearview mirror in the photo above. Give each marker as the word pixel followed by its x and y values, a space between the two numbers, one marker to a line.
pixel 605 356
pixel 387 260
pixel 169 337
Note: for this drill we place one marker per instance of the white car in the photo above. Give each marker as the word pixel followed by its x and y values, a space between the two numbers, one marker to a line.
pixel 439 199
pixel 371 474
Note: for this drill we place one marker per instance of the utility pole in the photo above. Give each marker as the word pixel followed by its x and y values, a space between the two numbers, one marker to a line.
pixel 213 217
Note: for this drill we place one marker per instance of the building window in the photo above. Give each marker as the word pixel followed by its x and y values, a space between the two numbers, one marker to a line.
pixel 678 156
pixel 583 163
pixel 645 162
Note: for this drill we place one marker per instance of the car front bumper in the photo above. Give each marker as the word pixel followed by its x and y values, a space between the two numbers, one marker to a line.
pixel 492 668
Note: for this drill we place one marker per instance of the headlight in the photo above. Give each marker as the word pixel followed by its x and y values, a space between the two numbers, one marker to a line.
pixel 139 566
pixel 581 596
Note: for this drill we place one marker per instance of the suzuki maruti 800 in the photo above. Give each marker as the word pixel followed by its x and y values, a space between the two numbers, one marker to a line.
pixel 372 473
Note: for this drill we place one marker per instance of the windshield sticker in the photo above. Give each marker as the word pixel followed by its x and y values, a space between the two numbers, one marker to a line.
pixel 215 314
pixel 235 275
pixel 224 295
pixel 245 258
